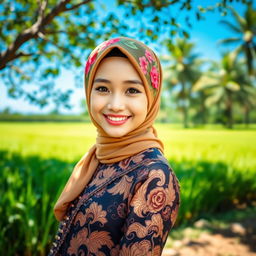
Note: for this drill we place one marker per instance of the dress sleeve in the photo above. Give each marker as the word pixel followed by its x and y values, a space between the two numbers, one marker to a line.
pixel 152 212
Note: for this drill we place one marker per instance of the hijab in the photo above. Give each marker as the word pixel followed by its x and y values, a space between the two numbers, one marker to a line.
pixel 107 149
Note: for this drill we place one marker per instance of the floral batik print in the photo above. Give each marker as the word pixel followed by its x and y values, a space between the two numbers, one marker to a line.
pixel 128 208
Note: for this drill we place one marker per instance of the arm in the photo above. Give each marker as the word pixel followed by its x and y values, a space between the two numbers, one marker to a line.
pixel 152 213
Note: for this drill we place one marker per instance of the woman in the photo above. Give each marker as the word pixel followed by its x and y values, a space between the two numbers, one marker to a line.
pixel 122 197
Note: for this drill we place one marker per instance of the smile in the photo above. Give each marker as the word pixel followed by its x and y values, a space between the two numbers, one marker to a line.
pixel 116 119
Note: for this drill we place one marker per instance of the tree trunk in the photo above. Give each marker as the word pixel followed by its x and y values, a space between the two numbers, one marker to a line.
pixel 184 105
pixel 229 110
pixel 185 113
pixel 246 115
pixel 203 108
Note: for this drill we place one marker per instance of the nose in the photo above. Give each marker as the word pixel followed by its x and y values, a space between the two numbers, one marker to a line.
pixel 116 103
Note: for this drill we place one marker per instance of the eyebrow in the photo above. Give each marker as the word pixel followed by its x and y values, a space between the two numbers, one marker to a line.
pixel 103 80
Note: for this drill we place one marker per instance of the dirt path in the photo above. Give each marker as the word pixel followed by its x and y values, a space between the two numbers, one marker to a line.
pixel 238 239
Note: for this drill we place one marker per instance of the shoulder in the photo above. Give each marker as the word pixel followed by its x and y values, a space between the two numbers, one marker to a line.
pixel 154 166
pixel 142 160
pixel 148 165
pixel 153 158
pixel 150 155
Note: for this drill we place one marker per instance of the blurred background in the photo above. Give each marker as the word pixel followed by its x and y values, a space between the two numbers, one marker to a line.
pixel 207 119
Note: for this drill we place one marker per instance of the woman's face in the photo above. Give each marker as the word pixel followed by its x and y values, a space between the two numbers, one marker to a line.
pixel 118 98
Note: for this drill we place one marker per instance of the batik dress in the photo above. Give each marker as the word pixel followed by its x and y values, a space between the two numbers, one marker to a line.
pixel 128 208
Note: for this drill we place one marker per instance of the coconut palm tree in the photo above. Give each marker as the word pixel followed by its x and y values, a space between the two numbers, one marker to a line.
pixel 247 100
pixel 199 110
pixel 246 97
pixel 225 82
pixel 245 30
pixel 183 71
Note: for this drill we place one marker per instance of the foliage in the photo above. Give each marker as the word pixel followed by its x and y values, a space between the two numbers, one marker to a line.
pixel 245 30
pixel 223 86
pixel 165 16
pixel 182 72
pixel 28 193
pixel 38 38
pixel 225 82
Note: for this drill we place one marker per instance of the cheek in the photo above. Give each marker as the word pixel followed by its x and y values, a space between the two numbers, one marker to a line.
pixel 97 103
pixel 140 106
pixel 145 107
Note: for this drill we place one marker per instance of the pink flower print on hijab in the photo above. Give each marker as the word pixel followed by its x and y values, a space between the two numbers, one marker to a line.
pixel 90 62
pixel 149 56
pixel 109 42
pixel 154 75
pixel 143 64
pixel 94 54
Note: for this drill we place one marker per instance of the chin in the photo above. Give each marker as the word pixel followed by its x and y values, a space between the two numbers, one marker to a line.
pixel 116 134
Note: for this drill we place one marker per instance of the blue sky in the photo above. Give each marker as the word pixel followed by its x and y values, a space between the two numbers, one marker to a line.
pixel 204 34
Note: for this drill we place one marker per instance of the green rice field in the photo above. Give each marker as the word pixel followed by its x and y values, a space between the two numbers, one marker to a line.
pixel 69 141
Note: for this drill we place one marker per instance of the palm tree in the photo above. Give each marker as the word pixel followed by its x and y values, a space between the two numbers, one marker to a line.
pixel 224 82
pixel 201 115
pixel 247 99
pixel 247 94
pixel 245 30
pixel 183 72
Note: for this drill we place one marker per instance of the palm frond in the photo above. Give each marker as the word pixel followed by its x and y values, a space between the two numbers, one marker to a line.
pixel 250 16
pixel 240 20
pixel 230 40
pixel 233 54
pixel 232 27
pixel 204 82
pixel 250 90
pixel 233 86
pixel 215 97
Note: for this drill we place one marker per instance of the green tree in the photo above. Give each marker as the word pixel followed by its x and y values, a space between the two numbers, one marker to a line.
pixel 223 82
pixel 39 37
pixel 246 97
pixel 184 71
pixel 199 108
pixel 245 30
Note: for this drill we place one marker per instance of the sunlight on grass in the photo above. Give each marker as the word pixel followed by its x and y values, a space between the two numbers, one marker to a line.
pixel 69 141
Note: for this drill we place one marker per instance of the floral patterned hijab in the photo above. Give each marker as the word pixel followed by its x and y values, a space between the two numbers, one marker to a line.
pixel 108 149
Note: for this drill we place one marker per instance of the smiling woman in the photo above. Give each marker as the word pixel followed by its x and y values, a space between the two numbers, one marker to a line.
pixel 122 197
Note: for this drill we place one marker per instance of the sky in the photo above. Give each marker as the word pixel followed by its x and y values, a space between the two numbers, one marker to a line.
pixel 204 34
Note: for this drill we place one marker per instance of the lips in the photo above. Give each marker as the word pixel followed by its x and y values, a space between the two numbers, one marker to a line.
pixel 116 119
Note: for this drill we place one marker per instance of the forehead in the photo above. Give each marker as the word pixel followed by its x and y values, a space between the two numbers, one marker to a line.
pixel 117 67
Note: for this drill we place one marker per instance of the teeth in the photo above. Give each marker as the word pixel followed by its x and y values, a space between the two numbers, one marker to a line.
pixel 117 118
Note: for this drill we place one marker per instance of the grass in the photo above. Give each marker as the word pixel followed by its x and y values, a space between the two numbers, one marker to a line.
pixel 28 192
pixel 216 168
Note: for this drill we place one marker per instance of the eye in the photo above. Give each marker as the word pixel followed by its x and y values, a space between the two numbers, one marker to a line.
pixel 101 89
pixel 133 91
